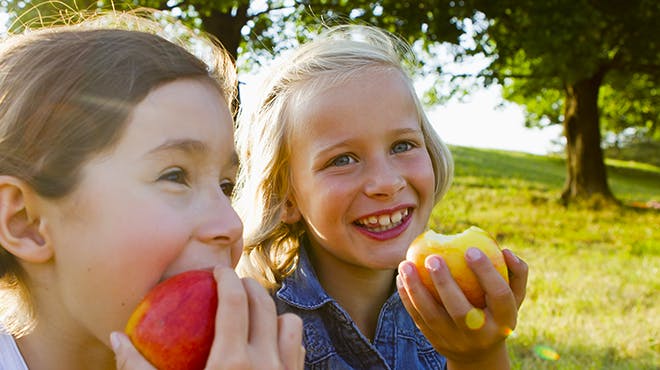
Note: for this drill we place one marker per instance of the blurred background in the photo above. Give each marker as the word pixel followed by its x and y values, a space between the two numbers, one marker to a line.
pixel 551 109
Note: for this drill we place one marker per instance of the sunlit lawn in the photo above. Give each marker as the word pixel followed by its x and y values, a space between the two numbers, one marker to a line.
pixel 593 294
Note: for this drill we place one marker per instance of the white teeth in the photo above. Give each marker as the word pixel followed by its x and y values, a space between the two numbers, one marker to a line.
pixel 384 220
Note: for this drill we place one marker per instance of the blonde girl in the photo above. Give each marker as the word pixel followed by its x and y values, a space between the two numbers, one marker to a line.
pixel 116 168
pixel 340 170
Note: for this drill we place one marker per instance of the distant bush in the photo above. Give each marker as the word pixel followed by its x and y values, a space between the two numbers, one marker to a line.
pixel 647 151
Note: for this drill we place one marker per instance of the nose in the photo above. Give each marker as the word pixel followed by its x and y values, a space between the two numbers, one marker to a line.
pixel 221 224
pixel 384 179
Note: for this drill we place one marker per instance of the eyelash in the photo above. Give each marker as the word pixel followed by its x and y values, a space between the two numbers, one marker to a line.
pixel 334 161
pixel 409 146
pixel 227 187
pixel 180 176
pixel 179 173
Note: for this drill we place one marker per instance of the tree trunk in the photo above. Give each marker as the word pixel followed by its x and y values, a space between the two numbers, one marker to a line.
pixel 227 27
pixel 586 176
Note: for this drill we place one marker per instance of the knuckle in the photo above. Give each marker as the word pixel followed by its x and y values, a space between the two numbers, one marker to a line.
pixel 234 298
pixel 268 363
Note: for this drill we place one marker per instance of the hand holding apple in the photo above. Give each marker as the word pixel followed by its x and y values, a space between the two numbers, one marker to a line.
pixel 173 326
pixel 452 249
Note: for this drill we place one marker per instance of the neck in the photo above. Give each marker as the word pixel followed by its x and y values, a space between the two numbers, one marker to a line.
pixel 45 349
pixel 60 341
pixel 361 292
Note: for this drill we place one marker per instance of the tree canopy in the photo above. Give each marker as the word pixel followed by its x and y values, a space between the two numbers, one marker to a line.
pixel 592 66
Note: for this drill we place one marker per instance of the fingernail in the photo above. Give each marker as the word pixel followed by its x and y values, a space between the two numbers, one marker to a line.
pixel 515 258
pixel 399 283
pixel 405 270
pixel 473 254
pixel 115 341
pixel 433 263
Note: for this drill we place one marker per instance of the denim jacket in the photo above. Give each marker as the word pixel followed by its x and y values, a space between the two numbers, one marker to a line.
pixel 333 341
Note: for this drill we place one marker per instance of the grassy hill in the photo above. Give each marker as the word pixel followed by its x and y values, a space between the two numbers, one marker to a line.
pixel 594 279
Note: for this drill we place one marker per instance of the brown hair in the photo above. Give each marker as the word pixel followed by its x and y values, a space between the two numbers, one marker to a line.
pixel 66 94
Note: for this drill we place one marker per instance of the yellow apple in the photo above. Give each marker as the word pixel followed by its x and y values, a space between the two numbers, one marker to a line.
pixel 174 325
pixel 452 249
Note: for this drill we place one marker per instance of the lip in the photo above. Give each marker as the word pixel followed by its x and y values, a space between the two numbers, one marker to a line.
pixel 391 233
pixel 206 268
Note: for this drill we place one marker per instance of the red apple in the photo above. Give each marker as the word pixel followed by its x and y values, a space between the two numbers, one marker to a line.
pixel 174 325
pixel 452 249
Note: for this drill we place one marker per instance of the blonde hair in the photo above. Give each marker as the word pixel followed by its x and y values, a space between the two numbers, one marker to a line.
pixel 263 133
pixel 66 93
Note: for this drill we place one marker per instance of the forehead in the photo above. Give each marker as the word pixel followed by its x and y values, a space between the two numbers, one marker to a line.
pixel 185 109
pixel 368 93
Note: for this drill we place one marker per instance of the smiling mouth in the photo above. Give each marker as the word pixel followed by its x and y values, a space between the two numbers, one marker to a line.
pixel 383 222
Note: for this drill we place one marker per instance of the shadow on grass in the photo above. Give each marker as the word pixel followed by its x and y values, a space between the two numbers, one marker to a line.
pixel 540 357
pixel 498 169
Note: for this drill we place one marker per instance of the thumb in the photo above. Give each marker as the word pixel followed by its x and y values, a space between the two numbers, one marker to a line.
pixel 126 356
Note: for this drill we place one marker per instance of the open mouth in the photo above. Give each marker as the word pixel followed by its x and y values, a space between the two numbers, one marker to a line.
pixel 384 222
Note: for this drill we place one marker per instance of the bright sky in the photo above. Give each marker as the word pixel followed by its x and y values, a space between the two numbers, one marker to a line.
pixel 479 122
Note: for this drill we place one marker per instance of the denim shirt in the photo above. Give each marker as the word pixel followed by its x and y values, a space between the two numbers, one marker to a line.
pixel 333 341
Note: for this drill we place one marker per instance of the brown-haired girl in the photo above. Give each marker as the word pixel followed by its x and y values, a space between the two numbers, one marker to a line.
pixel 116 168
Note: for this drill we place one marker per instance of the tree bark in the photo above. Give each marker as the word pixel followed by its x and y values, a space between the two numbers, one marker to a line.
pixel 227 27
pixel 586 172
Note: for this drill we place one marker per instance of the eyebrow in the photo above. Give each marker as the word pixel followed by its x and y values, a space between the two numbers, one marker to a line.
pixel 189 146
pixel 397 132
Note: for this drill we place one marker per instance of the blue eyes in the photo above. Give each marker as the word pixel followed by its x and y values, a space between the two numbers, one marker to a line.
pixel 401 147
pixel 342 160
pixel 346 159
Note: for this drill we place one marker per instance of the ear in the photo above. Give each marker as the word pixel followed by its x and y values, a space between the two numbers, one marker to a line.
pixel 291 214
pixel 20 226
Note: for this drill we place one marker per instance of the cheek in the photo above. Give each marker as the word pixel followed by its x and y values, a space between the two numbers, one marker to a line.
pixel 119 263
pixel 423 176
pixel 151 247
pixel 327 199
pixel 422 180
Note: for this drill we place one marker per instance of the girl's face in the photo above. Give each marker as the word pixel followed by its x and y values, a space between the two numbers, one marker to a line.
pixel 362 178
pixel 154 205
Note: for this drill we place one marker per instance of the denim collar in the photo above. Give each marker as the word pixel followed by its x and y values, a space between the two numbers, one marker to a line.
pixel 302 288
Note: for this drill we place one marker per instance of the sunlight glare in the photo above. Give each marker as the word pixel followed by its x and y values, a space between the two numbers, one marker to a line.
pixel 475 318
pixel 546 353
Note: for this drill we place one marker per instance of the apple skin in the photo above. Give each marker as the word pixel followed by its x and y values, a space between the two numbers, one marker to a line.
pixel 452 249
pixel 174 325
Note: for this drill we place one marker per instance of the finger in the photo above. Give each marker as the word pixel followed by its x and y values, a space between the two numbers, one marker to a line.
pixel 428 310
pixel 263 335
pixel 290 339
pixel 518 273
pixel 231 320
pixel 407 302
pixel 454 299
pixel 499 297
pixel 126 356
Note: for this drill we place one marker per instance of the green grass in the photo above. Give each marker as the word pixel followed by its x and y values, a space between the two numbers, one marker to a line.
pixel 593 294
